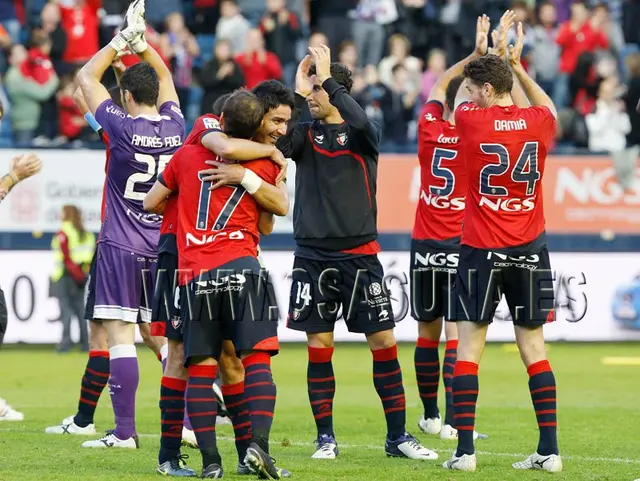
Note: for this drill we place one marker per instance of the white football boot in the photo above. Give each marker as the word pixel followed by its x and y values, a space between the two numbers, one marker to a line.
pixel 68 426
pixel 551 463
pixel 406 446
pixel 7 413
pixel 466 462
pixel 110 441
pixel 430 425
pixel 189 438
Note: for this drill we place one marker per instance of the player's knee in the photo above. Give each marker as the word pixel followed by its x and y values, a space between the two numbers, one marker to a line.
pixel 450 331
pixel 531 345
pixel 175 361
pixel 97 337
pixel 471 341
pixel 321 339
pixel 202 361
pixel 381 340
pixel 119 332
pixel 430 330
pixel 145 333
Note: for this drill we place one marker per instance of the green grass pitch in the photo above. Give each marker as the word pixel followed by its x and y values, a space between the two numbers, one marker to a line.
pixel 599 419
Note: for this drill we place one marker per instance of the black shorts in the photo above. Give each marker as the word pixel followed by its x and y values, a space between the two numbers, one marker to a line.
pixel 525 280
pixel 165 315
pixel 320 288
pixel 3 316
pixel 234 302
pixel 433 273
pixel 90 300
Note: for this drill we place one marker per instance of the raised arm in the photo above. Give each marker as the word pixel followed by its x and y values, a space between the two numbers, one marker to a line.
pixel 535 93
pixel 439 90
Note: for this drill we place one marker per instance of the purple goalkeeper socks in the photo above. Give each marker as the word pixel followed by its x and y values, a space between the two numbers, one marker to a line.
pixel 123 385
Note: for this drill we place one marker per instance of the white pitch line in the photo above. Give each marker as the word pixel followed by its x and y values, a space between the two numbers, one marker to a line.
pixel 370 447
pixel 483 453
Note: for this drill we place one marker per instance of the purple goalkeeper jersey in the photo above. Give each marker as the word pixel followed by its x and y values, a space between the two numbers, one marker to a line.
pixel 140 148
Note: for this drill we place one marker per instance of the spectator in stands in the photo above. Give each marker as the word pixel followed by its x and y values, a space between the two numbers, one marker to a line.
pixel 436 66
pixel 609 124
pixel 50 25
pixel 546 51
pixel 256 62
pixel 28 84
pixel 317 39
pixel 282 30
pixel 601 19
pixel 73 126
pixel 5 43
pixel 627 165
pixel 81 24
pixel 9 20
pixel 179 46
pixel 373 96
pixel 348 55
pixel 399 49
pixel 398 110
pixel 112 18
pixel 370 19
pixel 576 36
pixel 414 23
pixel 219 76
pixel 232 26
pixel 523 15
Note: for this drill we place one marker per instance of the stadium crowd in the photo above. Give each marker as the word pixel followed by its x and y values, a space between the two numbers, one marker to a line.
pixel 585 55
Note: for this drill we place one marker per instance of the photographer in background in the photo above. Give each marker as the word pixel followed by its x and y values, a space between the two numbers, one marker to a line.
pixel 22 167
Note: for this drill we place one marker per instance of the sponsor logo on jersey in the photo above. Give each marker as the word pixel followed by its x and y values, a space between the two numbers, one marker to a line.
pixel 506 204
pixel 443 139
pixel 203 239
pixel 112 109
pixel 437 261
pixel 529 261
pixel 177 110
pixel 233 282
pixel 211 124
pixel 442 202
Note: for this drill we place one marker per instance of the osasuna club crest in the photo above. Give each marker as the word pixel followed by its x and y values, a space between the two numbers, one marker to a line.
pixel 176 322
pixel 342 138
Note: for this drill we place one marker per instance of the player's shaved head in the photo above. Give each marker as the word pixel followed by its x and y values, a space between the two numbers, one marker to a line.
pixel 218 105
pixel 141 81
pixel 242 114
pixel 492 70
pixel 272 94
pixel 452 91
pixel 340 73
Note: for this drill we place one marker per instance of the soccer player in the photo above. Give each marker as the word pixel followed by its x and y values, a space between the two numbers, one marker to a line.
pixel 215 244
pixel 436 235
pixel 335 259
pixel 278 102
pixel 142 141
pixel 22 167
pixel 96 373
pixel 503 247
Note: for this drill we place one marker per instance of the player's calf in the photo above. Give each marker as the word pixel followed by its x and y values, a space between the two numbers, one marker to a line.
pixel 321 387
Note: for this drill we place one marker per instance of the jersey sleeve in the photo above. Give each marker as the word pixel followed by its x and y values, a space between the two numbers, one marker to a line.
pixel 169 177
pixel 265 169
pixel 465 114
pixel 545 123
pixel 111 118
pixel 430 116
pixel 173 111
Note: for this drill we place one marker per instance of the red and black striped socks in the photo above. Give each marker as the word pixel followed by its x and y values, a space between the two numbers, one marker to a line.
pixel 449 364
pixel 203 410
pixel 95 378
pixel 465 397
pixel 172 393
pixel 387 379
pixel 427 364
pixel 542 386
pixel 238 409
pixel 321 386
pixel 260 393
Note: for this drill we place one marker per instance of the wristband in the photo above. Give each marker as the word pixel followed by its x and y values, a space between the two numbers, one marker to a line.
pixel 14 179
pixel 251 182
pixel 91 120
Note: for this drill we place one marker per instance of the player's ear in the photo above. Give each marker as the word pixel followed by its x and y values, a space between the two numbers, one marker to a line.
pixel 221 122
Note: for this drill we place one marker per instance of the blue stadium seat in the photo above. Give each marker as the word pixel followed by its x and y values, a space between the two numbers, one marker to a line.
pixel 206 43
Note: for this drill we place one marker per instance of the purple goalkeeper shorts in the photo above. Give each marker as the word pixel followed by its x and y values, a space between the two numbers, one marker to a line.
pixel 121 285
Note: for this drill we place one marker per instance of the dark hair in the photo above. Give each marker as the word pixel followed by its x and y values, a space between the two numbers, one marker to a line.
pixel 142 81
pixel 243 114
pixel 490 69
pixel 218 105
pixel 272 94
pixel 340 73
pixel 115 95
pixel 452 91
pixel 396 67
